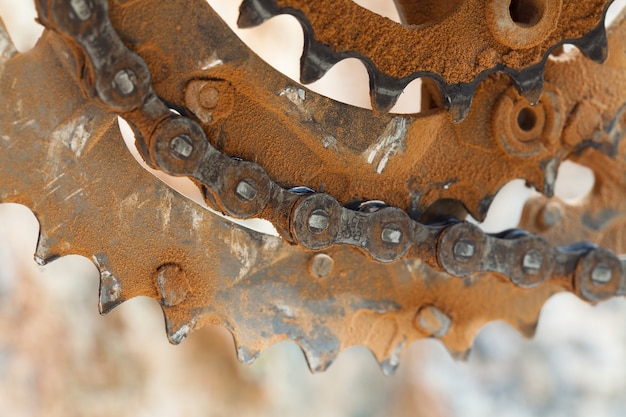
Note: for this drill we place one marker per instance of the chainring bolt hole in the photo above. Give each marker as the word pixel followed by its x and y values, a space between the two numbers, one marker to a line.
pixel 526 119
pixel 523 24
pixel 526 13
pixel 529 122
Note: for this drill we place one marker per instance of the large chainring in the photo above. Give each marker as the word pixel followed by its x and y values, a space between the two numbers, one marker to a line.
pixel 456 43
pixel 383 278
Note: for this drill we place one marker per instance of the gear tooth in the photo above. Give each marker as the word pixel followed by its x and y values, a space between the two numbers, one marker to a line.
pixel 319 58
pixel 252 13
pixel 318 362
pixel 550 170
pixel 9 49
pixel 528 330
pixel 460 355
pixel 246 355
pixel 480 210
pixel 390 365
pixel 529 83
pixel 316 60
pixel 318 355
pixel 458 98
pixel 595 45
pixel 384 90
pixel 178 328
pixel 384 99
pixel 43 254
pixel 110 287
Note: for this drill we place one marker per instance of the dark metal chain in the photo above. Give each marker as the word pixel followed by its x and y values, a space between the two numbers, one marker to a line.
pixel 120 80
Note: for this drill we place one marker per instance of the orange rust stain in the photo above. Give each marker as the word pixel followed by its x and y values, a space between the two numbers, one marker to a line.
pixel 401 50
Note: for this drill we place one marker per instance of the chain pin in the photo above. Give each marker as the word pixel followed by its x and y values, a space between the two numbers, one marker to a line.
pixel 81 9
pixel 318 221
pixel 601 273
pixel 124 82
pixel 181 146
pixel 246 190
pixel 464 249
pixel 532 262
pixel 391 234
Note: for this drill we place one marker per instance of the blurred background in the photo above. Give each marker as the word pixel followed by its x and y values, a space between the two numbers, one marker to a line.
pixel 58 357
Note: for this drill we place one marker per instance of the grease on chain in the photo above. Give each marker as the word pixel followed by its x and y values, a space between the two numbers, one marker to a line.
pixel 120 80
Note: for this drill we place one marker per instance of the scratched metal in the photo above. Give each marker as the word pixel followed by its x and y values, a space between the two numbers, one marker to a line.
pixel 65 160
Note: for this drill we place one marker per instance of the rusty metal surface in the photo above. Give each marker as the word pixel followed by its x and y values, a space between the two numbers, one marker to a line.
pixel 93 199
pixel 598 217
pixel 410 162
pixel 179 146
pixel 513 37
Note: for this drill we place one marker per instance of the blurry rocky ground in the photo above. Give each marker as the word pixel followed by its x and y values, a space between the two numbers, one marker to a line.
pixel 58 357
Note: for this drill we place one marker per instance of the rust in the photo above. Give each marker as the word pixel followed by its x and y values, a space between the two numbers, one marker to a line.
pixel 410 162
pixel 598 217
pixel 211 101
pixel 172 283
pixel 400 50
pixel 513 37
pixel 148 240
pixel 239 278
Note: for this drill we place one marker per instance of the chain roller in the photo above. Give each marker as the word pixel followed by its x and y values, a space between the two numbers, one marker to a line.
pixel 179 146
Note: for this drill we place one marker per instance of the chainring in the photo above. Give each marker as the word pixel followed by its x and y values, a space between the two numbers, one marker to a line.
pixel 205 270
pixel 495 37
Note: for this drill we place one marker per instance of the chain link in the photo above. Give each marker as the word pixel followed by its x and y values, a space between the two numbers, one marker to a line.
pixel 120 80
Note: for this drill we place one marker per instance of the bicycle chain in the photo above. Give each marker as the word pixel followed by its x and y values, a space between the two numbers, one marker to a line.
pixel 119 80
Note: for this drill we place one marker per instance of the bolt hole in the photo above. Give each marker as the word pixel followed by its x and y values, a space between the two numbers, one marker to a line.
pixel 526 119
pixel 526 13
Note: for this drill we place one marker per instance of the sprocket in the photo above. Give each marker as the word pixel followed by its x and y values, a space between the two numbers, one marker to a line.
pixel 365 286
pixel 496 36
